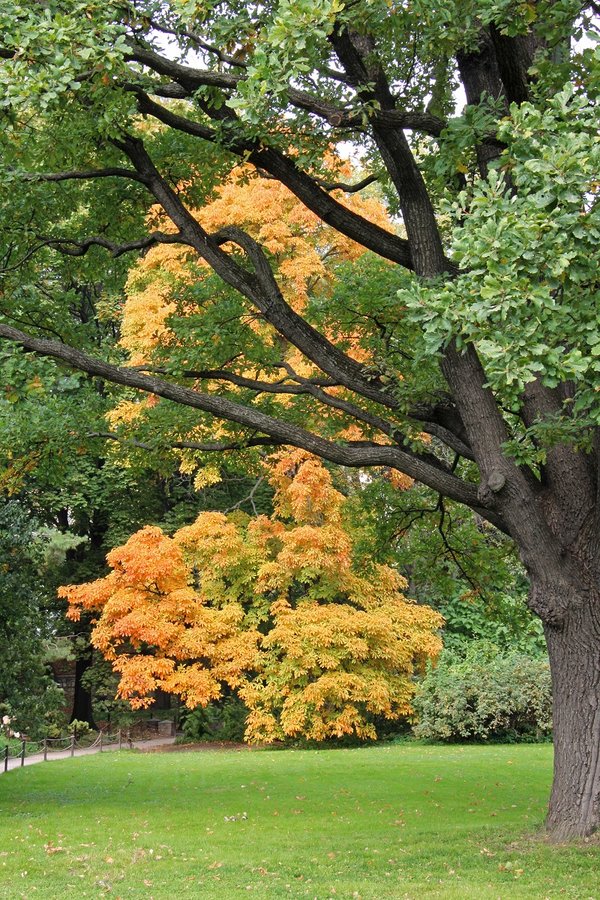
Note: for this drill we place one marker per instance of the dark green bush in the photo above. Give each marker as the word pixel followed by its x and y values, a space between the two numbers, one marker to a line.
pixel 222 721
pixel 485 694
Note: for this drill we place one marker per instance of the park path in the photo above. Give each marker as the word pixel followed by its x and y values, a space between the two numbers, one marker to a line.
pixel 152 744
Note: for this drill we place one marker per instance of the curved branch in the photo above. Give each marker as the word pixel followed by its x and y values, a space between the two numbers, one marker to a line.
pixel 71 247
pixel 347 188
pixel 314 388
pixel 200 42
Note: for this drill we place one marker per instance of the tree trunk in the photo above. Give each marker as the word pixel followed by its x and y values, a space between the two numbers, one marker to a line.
pixel 82 700
pixel 574 651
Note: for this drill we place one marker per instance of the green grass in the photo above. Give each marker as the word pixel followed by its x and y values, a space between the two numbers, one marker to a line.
pixel 379 822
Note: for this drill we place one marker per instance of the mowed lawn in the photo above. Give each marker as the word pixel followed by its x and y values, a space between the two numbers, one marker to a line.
pixel 383 821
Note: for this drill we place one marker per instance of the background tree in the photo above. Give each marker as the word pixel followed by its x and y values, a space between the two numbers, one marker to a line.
pixel 493 288
pixel 27 692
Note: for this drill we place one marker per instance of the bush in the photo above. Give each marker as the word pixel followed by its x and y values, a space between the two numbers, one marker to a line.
pixel 485 694
pixel 222 721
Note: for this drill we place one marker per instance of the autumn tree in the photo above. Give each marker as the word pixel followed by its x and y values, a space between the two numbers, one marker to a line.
pixel 315 638
pixel 479 317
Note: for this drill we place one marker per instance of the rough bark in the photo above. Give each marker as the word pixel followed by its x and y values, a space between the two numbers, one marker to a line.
pixel 574 651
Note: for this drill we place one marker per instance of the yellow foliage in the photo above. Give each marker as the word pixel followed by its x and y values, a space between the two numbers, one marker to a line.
pixel 206 476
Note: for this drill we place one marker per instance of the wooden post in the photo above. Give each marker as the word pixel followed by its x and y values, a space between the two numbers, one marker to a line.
pixel 45 749
pixel 120 738
pixel 23 745
pixel 100 740
pixel 6 758
pixel 73 744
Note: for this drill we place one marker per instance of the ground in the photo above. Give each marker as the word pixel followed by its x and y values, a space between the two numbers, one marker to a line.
pixel 388 821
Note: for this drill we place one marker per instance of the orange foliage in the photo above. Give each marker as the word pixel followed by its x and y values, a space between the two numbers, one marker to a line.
pixel 315 639
pixel 297 240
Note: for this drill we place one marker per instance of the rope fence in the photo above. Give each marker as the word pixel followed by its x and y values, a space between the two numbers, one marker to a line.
pixel 48 746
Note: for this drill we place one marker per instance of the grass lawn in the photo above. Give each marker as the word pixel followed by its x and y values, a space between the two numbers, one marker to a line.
pixel 384 821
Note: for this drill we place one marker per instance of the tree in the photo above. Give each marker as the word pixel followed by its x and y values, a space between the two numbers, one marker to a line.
pixel 482 332
pixel 27 691
pixel 315 638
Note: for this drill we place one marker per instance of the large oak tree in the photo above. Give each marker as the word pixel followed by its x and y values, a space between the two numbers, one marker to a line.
pixel 488 341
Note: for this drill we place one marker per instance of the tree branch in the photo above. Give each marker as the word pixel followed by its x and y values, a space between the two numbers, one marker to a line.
pixel 356 52
pixel 112 172
pixel 382 242
pixel 347 188
pixel 200 42
pixel 352 454
pixel 207 447
pixel 71 247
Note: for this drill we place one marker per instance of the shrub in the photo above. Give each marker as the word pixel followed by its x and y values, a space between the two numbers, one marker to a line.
pixel 221 721
pixel 485 694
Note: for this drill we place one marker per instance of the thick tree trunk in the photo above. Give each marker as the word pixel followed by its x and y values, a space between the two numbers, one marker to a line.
pixel 574 651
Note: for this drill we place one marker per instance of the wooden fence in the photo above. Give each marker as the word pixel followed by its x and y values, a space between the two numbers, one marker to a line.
pixel 68 745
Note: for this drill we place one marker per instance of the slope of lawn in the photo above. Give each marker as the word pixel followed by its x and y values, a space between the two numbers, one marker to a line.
pixel 384 821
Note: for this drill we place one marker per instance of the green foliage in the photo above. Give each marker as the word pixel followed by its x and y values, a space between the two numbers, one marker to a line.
pixel 222 721
pixel 485 694
pixel 528 294
pixel 78 728
pixel 502 619
pixel 101 682
pixel 27 692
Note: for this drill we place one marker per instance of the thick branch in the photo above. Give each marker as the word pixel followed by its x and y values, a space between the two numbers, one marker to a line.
pixel 314 197
pixel 510 489
pixel 71 247
pixel 356 53
pixel 112 172
pixel 357 454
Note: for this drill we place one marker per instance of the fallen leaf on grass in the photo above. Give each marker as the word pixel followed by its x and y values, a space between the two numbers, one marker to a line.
pixel 50 848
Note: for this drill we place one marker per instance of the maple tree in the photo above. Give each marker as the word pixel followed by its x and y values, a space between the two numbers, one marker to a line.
pixel 314 637
pixel 479 320
pixel 296 577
